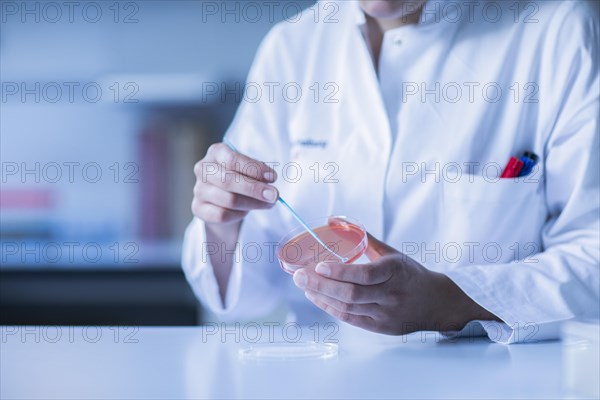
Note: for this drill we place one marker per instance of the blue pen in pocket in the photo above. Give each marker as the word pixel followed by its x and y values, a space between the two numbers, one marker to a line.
pixel 529 160
pixel 527 166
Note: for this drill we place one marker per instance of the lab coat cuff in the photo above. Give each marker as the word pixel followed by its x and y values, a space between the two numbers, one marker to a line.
pixel 200 273
pixel 511 329
pixel 500 332
pixel 209 286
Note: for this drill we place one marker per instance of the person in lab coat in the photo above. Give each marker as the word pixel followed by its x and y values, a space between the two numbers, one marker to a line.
pixel 402 116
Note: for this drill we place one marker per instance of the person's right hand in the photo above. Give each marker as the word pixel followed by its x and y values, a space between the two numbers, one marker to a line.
pixel 230 184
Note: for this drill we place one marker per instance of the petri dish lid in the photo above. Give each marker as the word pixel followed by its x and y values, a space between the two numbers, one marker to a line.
pixel 287 351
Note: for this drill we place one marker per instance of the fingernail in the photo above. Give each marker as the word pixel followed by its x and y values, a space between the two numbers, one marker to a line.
pixel 300 279
pixel 269 195
pixel 309 296
pixel 323 269
pixel 269 176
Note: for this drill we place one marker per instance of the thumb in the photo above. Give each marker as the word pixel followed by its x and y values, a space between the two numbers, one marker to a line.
pixel 377 249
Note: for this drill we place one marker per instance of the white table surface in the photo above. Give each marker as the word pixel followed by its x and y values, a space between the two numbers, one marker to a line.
pixel 148 363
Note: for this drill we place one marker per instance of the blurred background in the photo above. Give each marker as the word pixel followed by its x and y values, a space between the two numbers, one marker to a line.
pixel 105 108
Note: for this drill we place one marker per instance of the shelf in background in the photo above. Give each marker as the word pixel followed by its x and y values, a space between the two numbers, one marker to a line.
pixel 80 296
pixel 130 255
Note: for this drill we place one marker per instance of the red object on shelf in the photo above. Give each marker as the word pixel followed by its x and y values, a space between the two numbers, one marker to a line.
pixel 154 223
pixel 26 199
pixel 513 168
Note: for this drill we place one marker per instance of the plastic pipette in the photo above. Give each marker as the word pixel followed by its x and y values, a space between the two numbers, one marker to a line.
pixel 295 215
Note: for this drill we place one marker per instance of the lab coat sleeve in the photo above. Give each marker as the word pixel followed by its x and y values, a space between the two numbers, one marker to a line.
pixel 258 131
pixel 254 296
pixel 532 296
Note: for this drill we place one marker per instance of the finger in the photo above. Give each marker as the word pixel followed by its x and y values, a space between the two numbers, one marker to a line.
pixel 343 291
pixel 370 309
pixel 214 214
pixel 235 161
pixel 217 196
pixel 362 274
pixel 235 182
pixel 361 321
pixel 377 249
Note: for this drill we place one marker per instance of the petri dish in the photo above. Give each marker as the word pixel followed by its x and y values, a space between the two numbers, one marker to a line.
pixel 287 351
pixel 298 249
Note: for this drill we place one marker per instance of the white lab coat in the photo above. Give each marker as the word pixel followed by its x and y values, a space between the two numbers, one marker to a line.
pixel 525 249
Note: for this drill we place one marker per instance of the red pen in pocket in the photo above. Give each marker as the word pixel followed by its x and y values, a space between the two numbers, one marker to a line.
pixel 512 169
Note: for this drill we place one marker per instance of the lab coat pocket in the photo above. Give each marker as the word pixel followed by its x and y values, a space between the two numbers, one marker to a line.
pixel 501 217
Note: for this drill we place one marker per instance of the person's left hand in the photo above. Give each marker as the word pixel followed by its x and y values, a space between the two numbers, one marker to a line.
pixel 392 294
